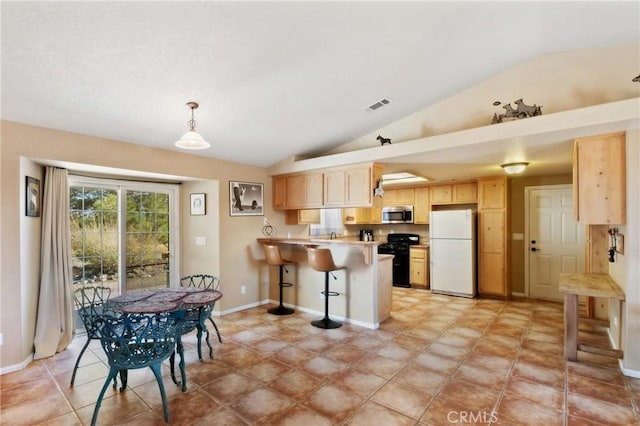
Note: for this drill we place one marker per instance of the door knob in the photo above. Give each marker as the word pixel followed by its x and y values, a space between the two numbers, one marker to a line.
pixel 533 249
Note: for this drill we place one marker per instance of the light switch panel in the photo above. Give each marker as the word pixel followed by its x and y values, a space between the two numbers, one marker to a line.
pixel 518 237
pixel 201 241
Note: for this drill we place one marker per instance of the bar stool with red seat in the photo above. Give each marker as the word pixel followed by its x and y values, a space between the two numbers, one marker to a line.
pixel 321 260
pixel 274 258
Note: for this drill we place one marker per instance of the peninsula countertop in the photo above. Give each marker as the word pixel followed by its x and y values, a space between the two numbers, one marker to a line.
pixel 363 284
pixel 318 241
pixel 368 248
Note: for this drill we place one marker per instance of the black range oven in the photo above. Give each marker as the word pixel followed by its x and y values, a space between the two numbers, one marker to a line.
pixel 398 245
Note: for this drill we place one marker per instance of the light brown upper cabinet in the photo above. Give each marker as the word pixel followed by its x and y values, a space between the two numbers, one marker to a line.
pixel 334 187
pixel 279 193
pixel 440 194
pixel 304 191
pixel 398 197
pixel 352 186
pixel 421 207
pixel 455 193
pixel 360 182
pixel 302 217
pixel 492 193
pixel 465 193
pixel 356 215
pixel 599 179
pixel 375 215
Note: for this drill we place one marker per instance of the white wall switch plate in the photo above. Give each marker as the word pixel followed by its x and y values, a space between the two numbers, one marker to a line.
pixel 201 241
pixel 518 237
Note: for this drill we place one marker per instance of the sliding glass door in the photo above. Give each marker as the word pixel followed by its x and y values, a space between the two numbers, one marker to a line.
pixel 123 234
pixel 94 236
pixel 147 252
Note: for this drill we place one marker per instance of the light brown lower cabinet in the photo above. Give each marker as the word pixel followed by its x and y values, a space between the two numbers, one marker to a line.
pixel 493 244
pixel 419 267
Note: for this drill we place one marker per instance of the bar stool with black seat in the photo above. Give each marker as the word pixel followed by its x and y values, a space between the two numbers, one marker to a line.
pixel 321 260
pixel 274 258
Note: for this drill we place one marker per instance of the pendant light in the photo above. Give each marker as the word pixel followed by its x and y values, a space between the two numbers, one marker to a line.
pixel 192 139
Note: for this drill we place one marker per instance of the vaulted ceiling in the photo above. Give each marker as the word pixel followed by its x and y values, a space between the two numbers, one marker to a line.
pixel 276 80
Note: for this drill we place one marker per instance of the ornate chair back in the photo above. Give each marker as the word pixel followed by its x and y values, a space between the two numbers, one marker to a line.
pixel 136 341
pixel 90 304
pixel 210 282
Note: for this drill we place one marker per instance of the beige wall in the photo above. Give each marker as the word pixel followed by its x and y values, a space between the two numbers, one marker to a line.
pixel 516 208
pixel 24 146
pixel 626 269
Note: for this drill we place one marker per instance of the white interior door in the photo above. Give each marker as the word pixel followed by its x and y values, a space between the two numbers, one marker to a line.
pixel 554 241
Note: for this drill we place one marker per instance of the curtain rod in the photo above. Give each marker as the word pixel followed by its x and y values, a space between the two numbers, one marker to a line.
pixel 131 179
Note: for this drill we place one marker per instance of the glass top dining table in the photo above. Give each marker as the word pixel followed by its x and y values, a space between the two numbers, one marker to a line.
pixel 164 300
pixel 176 300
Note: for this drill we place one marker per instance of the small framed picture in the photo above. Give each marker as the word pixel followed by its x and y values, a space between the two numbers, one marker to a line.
pixel 246 199
pixel 32 197
pixel 198 205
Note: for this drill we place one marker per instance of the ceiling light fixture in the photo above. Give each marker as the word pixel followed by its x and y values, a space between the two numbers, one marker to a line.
pixel 192 139
pixel 514 168
pixel 402 177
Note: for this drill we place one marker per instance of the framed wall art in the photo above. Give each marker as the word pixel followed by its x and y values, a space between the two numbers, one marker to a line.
pixel 32 197
pixel 246 199
pixel 197 205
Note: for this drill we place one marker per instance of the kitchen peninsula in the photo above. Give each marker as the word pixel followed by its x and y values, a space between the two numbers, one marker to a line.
pixel 364 286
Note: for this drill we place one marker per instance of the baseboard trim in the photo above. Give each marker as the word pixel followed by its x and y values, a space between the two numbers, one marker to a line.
pixel 16 367
pixel 339 318
pixel 241 308
pixel 372 326
pixel 627 371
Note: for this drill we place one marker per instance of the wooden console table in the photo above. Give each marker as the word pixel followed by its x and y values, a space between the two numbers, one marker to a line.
pixel 592 285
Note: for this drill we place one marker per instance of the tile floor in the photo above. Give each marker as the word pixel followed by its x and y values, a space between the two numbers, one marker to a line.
pixel 438 360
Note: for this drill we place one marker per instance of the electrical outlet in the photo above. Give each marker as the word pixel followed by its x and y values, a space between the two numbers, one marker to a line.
pixel 243 289
pixel 265 221
pixel 0 339
pixel 615 321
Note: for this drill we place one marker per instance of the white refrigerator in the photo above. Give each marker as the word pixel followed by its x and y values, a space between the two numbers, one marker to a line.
pixel 452 237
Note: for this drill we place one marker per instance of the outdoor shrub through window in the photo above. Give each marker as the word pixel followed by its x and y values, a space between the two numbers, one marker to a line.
pixel 121 235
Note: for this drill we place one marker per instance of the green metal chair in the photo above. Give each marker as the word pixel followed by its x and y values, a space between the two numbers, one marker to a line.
pixel 210 282
pixel 90 304
pixel 135 341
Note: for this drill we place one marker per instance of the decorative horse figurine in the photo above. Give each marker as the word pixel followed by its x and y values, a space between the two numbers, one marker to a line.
pixel 383 140
pixel 527 110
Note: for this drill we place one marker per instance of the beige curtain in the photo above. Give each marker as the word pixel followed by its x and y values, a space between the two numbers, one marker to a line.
pixel 54 326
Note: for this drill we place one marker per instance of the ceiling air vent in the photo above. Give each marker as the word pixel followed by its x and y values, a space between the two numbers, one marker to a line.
pixel 379 104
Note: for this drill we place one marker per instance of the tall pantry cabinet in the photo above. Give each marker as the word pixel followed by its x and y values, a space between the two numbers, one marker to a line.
pixel 493 228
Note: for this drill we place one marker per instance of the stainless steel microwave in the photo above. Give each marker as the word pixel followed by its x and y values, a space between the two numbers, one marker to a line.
pixel 397 214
